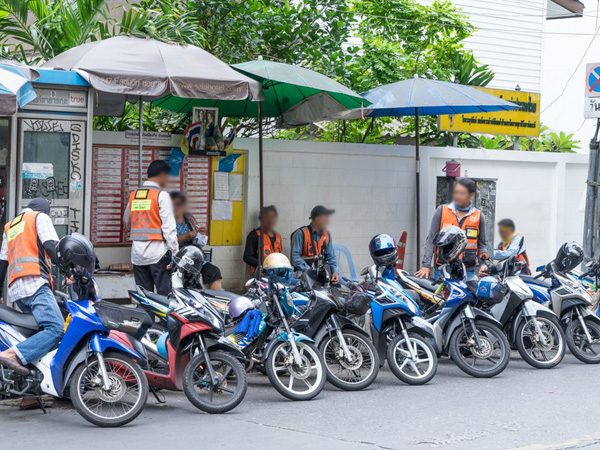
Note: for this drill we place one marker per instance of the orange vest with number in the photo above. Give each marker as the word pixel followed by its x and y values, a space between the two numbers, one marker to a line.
pixel 310 248
pixel 146 224
pixel 269 247
pixel 26 254
pixel 521 257
pixel 470 225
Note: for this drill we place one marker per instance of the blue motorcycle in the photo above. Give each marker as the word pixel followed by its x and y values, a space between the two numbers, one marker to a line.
pixel 397 331
pixel 470 336
pixel 100 375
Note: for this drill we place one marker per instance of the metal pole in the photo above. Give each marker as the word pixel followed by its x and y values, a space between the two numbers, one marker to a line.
pixel 140 142
pixel 261 238
pixel 418 187
pixel 591 196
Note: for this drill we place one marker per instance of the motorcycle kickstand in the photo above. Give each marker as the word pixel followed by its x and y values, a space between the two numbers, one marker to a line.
pixel 160 401
pixel 40 401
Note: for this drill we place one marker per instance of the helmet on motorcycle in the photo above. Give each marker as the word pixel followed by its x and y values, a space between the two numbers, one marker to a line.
pixel 75 255
pixel 569 256
pixel 383 250
pixel 240 306
pixel 490 290
pixel 189 261
pixel 451 241
pixel 278 268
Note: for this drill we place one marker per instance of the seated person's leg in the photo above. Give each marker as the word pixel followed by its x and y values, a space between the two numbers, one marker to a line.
pixel 211 277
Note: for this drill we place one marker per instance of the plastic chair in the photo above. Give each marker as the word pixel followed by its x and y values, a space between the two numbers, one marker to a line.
pixel 342 251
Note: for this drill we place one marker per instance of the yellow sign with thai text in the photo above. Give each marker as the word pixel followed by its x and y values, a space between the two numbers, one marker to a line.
pixel 520 122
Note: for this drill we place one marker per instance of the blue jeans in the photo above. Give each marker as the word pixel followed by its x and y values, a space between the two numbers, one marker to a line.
pixel 43 306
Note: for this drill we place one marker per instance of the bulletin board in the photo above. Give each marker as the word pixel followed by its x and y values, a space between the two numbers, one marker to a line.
pixel 227 202
pixel 115 175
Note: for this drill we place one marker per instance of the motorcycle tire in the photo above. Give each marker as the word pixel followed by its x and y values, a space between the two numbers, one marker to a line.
pixel 77 387
pixel 484 329
pixel 273 367
pixel 356 338
pixel 553 323
pixel 425 347
pixel 574 333
pixel 206 403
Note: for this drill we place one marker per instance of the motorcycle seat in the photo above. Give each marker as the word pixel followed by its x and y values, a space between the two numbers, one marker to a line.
pixel 223 295
pixel 538 281
pixel 423 282
pixel 156 297
pixel 23 323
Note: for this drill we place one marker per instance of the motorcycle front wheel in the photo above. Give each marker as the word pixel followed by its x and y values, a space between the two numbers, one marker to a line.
pixel 296 382
pixel 533 350
pixel 114 407
pixel 577 341
pixel 485 362
pixel 222 396
pixel 352 375
pixel 418 370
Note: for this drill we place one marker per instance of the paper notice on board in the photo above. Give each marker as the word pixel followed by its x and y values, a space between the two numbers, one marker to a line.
pixel 221 186
pixel 37 171
pixel 222 210
pixel 235 187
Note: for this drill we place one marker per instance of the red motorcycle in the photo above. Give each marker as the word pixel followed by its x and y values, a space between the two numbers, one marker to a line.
pixel 193 355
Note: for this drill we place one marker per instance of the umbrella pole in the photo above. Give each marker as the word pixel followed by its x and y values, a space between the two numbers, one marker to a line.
pixel 418 187
pixel 140 143
pixel 261 238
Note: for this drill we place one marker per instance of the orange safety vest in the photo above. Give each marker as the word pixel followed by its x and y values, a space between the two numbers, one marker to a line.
pixel 521 256
pixel 26 254
pixel 146 224
pixel 310 248
pixel 269 247
pixel 470 225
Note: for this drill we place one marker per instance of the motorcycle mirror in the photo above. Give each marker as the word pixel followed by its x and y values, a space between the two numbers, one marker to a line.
pixel 364 272
pixel 250 282
pixel 540 268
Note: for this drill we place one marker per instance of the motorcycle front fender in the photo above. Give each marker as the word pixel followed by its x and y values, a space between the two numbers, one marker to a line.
pixel 477 314
pixel 424 329
pixel 223 344
pixel 529 309
pixel 344 323
pixel 283 337
pixel 101 344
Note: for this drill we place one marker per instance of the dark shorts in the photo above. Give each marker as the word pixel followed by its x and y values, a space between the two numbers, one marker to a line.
pixel 210 273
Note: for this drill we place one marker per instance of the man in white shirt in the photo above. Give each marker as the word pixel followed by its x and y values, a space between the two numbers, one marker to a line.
pixel 149 213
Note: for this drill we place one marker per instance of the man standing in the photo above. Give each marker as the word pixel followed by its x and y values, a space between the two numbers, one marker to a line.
pixel 512 244
pixel 463 214
pixel 315 240
pixel 153 230
pixel 28 249
pixel 271 239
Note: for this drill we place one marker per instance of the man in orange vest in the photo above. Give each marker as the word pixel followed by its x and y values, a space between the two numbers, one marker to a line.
pixel 315 240
pixel 512 243
pixel 28 249
pixel 463 214
pixel 272 239
pixel 150 216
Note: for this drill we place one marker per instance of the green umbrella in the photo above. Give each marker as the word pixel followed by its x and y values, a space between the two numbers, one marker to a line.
pixel 285 86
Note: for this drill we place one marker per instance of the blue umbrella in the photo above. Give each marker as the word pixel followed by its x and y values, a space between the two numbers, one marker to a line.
pixel 420 96
pixel 15 86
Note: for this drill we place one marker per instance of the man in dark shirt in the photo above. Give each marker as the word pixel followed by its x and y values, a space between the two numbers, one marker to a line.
pixel 272 239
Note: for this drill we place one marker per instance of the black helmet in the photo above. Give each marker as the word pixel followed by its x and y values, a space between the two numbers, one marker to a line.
pixel 451 241
pixel 75 255
pixel 189 261
pixel 569 256
pixel 383 250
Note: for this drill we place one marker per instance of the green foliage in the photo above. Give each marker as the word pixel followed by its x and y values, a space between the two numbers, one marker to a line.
pixel 495 143
pixel 467 71
pixel 550 141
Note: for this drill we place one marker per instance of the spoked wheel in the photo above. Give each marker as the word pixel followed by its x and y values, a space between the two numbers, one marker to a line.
pixel 296 382
pixel 582 348
pixel 487 361
pixel 542 355
pixel 222 396
pixel 418 370
pixel 354 374
pixel 121 403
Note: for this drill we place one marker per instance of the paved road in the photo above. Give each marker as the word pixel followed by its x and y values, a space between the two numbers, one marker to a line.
pixel 522 408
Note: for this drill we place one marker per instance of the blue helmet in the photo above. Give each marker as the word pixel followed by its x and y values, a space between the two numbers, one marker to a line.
pixel 490 290
pixel 383 250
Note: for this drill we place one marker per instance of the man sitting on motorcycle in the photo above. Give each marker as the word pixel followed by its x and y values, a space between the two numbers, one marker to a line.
pixel 512 243
pixel 28 249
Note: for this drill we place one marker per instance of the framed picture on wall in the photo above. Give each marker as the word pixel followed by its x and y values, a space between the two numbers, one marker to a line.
pixel 207 138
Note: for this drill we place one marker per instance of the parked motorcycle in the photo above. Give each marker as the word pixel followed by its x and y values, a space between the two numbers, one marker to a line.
pixel 399 334
pixel 572 303
pixel 100 374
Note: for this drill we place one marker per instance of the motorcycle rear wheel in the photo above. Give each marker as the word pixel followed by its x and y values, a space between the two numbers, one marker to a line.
pixel 532 352
pixel 109 409
pixel 578 343
pixel 350 376
pixel 203 394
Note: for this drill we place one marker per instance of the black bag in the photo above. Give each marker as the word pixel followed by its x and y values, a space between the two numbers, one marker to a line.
pixel 132 321
pixel 353 302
